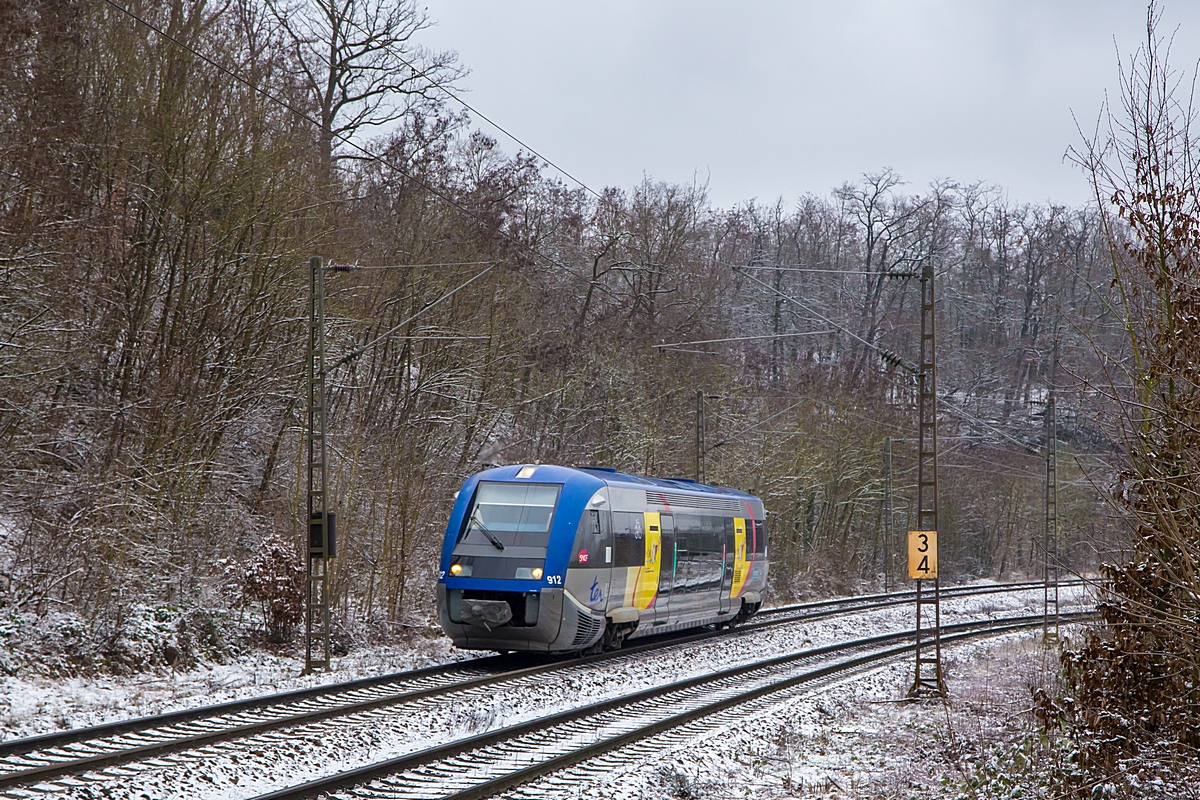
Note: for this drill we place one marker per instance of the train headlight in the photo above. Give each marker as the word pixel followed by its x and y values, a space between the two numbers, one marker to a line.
pixel 536 573
pixel 456 569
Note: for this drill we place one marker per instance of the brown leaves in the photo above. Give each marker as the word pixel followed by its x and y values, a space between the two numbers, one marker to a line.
pixel 273 582
pixel 1134 681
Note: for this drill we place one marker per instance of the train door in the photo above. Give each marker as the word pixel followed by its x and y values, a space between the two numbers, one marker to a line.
pixel 648 577
pixel 666 573
pixel 590 568
pixel 629 557
pixel 741 568
pixel 681 585
pixel 728 545
pixel 709 560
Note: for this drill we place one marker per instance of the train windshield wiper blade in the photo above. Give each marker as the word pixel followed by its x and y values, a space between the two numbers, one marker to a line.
pixel 499 545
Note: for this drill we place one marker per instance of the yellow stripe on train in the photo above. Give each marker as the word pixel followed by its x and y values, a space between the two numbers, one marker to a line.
pixel 647 581
pixel 740 566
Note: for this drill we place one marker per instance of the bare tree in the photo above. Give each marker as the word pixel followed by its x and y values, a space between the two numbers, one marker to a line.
pixel 1137 679
pixel 890 235
pixel 360 66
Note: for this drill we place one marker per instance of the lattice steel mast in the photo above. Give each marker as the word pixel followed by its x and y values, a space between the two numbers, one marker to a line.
pixel 316 610
pixel 889 514
pixel 1050 611
pixel 929 679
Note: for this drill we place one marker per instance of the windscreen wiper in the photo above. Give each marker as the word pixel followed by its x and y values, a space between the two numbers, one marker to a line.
pixel 499 545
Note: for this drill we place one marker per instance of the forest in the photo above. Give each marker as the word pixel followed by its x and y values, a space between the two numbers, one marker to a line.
pixel 168 168
pixel 167 176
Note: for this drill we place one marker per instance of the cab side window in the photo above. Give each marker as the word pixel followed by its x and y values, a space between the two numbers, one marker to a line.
pixel 756 537
pixel 592 541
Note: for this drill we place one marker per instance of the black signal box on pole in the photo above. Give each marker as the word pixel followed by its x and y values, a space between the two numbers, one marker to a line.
pixel 329 549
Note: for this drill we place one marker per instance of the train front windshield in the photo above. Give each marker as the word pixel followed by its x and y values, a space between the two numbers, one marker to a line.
pixel 506 531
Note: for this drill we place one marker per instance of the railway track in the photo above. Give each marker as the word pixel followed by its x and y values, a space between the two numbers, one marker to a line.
pixel 897 598
pixel 34 761
pixel 490 763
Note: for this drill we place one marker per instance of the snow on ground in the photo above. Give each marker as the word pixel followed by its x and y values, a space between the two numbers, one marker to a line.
pixel 856 738
pixel 34 705
pixel 270 761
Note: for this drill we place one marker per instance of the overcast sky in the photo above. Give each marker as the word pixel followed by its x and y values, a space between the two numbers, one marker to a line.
pixel 770 99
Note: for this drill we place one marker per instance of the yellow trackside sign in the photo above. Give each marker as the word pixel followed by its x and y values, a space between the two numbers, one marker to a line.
pixel 922 554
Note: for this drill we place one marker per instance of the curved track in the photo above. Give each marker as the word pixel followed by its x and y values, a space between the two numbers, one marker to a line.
pixel 493 762
pixel 29 762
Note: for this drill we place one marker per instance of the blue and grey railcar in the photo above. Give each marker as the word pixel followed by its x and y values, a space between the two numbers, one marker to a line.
pixel 556 559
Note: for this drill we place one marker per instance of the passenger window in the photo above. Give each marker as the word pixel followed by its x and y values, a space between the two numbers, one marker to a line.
pixel 630 539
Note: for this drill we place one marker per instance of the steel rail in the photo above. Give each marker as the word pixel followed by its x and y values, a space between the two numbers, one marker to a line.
pixel 59 766
pixel 559 763
pixel 949 591
pixel 41 742
pixel 137 724
pixel 440 753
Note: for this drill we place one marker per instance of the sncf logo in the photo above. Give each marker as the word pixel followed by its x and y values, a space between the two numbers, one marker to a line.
pixel 583 556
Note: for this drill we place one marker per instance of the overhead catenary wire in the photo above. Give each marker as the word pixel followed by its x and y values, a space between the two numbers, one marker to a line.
pixel 840 408
pixel 332 267
pixel 893 358
pixel 368 155
pixel 885 354
pixel 875 273
pixel 738 339
pixel 358 351
pixel 454 96
pixel 943 402
pixel 759 424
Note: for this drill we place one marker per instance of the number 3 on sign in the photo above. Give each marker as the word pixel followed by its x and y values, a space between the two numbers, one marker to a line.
pixel 922 554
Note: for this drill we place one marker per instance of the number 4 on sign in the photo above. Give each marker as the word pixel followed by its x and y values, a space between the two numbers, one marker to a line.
pixel 922 554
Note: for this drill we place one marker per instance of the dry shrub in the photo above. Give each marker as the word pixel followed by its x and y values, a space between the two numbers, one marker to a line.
pixel 273 583
pixel 1133 684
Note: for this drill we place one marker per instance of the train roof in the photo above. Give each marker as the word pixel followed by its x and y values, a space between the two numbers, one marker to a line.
pixel 612 477
pixel 669 492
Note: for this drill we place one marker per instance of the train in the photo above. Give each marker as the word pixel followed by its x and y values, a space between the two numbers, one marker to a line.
pixel 546 558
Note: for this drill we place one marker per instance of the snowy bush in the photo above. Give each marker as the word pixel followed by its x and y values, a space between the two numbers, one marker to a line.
pixel 678 785
pixel 1034 766
pixel 273 583
pixel 140 638
pixel 1134 682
